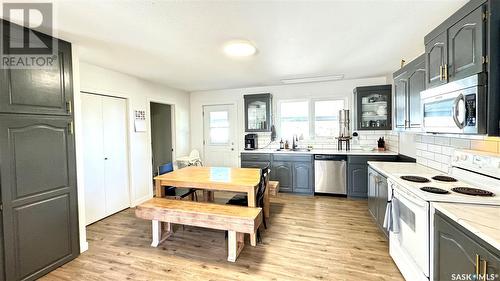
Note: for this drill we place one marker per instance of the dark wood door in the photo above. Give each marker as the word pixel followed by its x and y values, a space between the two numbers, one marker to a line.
pixel 416 84
pixel 400 90
pixel 39 200
pixel 282 172
pixel 456 253
pixel 466 46
pixel 357 180
pixel 302 177
pixel 436 53
pixel 39 91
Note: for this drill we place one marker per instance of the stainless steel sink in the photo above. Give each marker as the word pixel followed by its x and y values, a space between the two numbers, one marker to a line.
pixel 294 150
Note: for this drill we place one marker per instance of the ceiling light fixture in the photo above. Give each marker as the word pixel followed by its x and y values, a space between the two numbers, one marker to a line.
pixel 313 79
pixel 239 48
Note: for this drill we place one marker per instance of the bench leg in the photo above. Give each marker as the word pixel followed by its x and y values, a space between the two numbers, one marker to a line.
pixel 158 235
pixel 208 196
pixel 235 243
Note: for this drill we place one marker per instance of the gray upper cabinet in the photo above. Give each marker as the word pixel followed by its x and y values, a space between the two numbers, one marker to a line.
pixel 39 91
pixel 436 59
pixel 258 111
pixel 373 108
pixel 40 217
pixel 457 251
pixel 409 81
pixel 466 46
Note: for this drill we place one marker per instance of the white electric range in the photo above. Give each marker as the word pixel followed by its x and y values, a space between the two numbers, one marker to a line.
pixel 411 215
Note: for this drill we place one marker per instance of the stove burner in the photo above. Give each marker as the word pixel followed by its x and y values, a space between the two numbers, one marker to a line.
pixel 444 178
pixel 415 179
pixel 472 191
pixel 434 190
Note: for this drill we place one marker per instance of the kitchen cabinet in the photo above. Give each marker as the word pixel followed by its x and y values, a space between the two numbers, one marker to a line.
pixel 456 49
pixel 282 172
pixel 435 60
pixel 377 197
pixel 409 81
pixel 357 172
pixel 457 251
pixel 373 108
pixel 303 175
pixel 258 111
pixel 295 171
pixel 255 160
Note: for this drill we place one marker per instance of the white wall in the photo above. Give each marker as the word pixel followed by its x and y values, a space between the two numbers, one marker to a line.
pixel 334 89
pixel 138 93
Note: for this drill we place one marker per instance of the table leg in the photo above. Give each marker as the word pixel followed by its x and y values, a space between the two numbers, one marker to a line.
pixel 160 192
pixel 208 196
pixel 252 203
pixel 266 203
pixel 157 231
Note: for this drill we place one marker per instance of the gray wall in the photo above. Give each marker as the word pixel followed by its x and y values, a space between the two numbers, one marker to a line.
pixel 161 134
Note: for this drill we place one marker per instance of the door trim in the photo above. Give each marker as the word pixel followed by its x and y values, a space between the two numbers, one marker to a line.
pixel 173 129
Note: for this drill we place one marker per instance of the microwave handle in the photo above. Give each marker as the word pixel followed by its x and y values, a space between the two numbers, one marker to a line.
pixel 459 124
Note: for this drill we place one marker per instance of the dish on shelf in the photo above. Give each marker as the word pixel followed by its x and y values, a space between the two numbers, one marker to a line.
pixel 369 113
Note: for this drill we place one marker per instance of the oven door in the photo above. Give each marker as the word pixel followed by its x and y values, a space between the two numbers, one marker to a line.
pixel 454 112
pixel 409 238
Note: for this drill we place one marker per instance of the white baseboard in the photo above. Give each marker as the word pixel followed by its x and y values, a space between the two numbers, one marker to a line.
pixel 84 246
pixel 141 200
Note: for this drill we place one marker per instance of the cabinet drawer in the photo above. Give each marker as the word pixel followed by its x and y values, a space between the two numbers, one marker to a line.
pixel 256 157
pixel 292 158
pixel 253 164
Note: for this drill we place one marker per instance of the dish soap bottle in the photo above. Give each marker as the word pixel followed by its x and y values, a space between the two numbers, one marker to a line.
pixel 286 144
pixel 282 145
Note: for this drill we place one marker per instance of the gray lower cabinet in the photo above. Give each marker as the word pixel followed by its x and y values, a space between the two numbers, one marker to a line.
pixel 303 175
pixel 282 172
pixel 39 200
pixel 377 197
pixel 357 173
pixel 457 252
pixel 255 160
pixel 357 180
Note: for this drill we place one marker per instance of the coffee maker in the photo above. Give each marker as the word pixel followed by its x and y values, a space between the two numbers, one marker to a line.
pixel 251 142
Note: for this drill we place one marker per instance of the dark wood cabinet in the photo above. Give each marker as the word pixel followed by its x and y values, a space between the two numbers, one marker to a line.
pixel 303 175
pixel 282 172
pixel 409 81
pixel 258 112
pixel 357 180
pixel 377 197
pixel 466 43
pixel 373 108
pixel 436 59
pixel 40 214
pixel 457 252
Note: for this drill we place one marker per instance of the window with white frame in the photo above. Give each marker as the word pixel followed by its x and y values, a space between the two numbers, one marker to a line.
pixel 326 117
pixel 310 118
pixel 294 119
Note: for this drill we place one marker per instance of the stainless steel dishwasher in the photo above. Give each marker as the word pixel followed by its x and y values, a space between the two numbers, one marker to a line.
pixel 330 174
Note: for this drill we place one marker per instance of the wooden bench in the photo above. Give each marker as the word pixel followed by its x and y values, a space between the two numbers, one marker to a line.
pixel 236 220
pixel 274 187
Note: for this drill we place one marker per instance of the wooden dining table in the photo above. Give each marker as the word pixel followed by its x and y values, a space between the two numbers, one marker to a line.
pixel 210 179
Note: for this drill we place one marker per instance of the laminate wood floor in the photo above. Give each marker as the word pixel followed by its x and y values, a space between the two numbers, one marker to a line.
pixel 308 238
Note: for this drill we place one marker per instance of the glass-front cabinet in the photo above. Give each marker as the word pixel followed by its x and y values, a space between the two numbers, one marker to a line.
pixel 373 108
pixel 258 109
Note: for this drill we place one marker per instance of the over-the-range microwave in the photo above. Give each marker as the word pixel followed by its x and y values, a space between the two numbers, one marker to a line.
pixel 458 107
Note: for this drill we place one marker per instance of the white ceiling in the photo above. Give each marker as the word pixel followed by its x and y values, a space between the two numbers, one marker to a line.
pixel 179 43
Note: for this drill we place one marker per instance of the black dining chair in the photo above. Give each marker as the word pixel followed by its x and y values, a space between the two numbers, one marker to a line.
pixel 242 199
pixel 172 192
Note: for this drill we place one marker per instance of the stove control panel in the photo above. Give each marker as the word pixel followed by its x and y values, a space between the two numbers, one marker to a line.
pixel 480 162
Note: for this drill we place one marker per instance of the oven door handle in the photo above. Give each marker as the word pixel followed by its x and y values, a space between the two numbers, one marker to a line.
pixel 455 112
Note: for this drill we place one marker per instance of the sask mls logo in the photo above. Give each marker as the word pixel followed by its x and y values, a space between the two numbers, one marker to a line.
pixel 27 40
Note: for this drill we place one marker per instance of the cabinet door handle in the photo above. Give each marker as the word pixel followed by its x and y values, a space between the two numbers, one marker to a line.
pixel 441 73
pixel 478 261
pixel 485 269
pixel 445 72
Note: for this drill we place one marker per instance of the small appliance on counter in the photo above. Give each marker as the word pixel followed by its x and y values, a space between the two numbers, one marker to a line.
pixel 344 130
pixel 251 141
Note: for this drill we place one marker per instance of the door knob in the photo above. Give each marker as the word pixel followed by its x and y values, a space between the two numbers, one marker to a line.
pixel 105 158
pixel 232 149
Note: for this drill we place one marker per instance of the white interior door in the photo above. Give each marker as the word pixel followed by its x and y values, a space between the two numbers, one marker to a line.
pixel 95 200
pixel 115 154
pixel 219 123
pixel 105 156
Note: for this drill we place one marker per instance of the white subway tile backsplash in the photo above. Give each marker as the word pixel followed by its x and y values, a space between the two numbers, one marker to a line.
pixel 427 139
pixel 442 141
pixel 421 161
pixel 434 148
pixel 460 143
pixel 418 138
pixel 421 146
pixel 428 155
pixel 444 159
pixel 447 150
pixel 434 165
